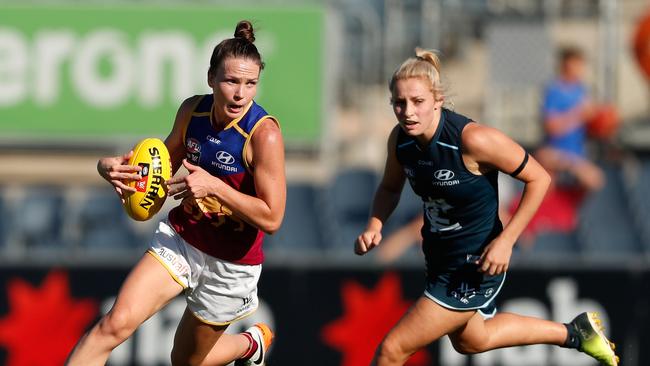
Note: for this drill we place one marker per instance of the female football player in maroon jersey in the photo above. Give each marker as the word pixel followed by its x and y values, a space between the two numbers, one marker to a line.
pixel 210 246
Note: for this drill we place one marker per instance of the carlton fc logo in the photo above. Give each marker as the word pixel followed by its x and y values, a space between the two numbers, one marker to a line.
pixel 443 174
pixel 225 158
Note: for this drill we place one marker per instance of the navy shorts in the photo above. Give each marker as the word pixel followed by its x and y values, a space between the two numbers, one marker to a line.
pixel 465 288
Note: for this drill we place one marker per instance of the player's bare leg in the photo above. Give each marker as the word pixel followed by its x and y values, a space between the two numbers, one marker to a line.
pixel 198 343
pixel 587 173
pixel 146 289
pixel 505 330
pixel 424 323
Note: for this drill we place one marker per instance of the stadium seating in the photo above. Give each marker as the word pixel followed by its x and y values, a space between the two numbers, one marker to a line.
pixel 614 222
pixel 409 207
pixel 555 244
pixel 102 222
pixel 4 213
pixel 346 203
pixel 642 201
pixel 606 227
pixel 638 191
pixel 38 218
pixel 301 228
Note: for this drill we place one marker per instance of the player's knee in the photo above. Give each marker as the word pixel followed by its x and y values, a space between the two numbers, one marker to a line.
pixel 117 324
pixel 467 347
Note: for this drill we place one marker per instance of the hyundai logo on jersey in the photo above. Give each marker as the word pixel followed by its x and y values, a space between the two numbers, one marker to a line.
pixel 225 157
pixel 444 178
pixel 443 174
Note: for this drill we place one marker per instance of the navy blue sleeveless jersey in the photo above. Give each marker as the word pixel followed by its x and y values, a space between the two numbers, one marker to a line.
pixel 460 208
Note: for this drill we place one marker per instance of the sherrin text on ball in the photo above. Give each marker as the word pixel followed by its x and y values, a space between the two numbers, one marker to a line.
pixel 152 156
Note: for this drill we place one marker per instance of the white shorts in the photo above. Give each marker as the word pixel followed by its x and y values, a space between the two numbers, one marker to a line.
pixel 217 292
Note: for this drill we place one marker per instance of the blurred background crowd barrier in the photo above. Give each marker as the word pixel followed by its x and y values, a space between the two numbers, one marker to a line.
pixel 79 81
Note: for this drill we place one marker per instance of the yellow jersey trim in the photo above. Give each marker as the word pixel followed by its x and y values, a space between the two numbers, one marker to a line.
pixel 171 273
pixel 234 122
pixel 241 131
pixel 250 136
pixel 187 123
pixel 224 323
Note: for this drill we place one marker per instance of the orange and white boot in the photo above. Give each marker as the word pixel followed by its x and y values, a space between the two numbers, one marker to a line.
pixel 263 336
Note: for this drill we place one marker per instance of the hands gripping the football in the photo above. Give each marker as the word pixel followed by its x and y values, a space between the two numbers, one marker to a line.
pixel 116 171
pixel 198 183
pixel 265 156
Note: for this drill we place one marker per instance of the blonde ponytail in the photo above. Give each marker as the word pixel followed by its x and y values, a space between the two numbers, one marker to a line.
pixel 426 64
pixel 429 56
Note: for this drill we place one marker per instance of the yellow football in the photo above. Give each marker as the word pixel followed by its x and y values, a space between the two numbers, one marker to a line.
pixel 151 154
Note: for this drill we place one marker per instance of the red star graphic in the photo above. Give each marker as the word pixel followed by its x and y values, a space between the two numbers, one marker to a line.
pixel 43 323
pixel 368 316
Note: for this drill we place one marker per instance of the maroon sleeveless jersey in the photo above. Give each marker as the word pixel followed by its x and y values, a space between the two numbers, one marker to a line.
pixel 205 223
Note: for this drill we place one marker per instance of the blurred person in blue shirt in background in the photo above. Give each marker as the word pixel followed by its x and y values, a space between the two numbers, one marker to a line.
pixel 566 110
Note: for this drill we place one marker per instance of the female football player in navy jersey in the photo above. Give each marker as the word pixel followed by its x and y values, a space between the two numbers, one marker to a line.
pixel 210 246
pixel 452 162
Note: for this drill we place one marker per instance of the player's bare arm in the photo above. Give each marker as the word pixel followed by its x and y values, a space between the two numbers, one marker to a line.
pixel 174 142
pixel 487 148
pixel 385 200
pixel 266 158
pixel 265 211
pixel 115 169
pixel 117 172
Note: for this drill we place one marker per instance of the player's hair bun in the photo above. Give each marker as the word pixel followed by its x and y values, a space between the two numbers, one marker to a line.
pixel 428 56
pixel 240 46
pixel 244 30
pixel 426 64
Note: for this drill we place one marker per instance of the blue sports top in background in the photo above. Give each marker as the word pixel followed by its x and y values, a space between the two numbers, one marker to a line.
pixel 560 97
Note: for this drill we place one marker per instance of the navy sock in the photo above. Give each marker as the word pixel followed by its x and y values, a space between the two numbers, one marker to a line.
pixel 572 339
